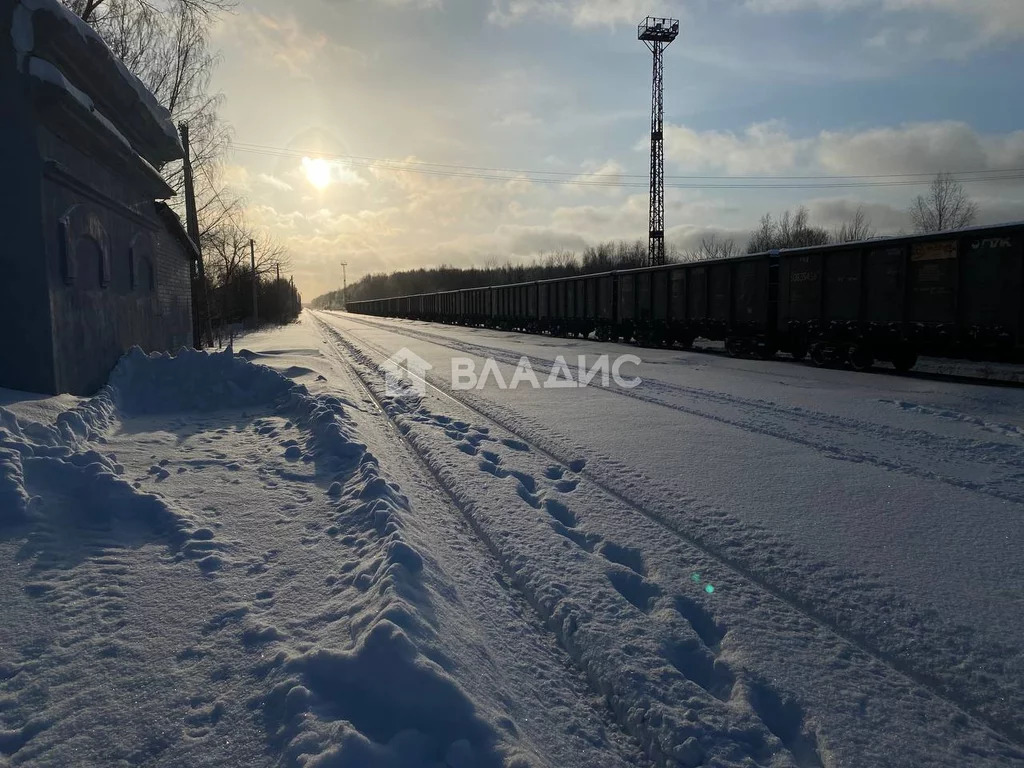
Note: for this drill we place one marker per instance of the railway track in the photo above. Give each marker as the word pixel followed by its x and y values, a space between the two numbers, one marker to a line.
pixel 508 575
pixel 622 703
pixel 799 426
pixel 1011 379
pixel 837 620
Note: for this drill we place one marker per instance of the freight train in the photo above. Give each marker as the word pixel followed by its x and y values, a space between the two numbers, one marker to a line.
pixel 951 294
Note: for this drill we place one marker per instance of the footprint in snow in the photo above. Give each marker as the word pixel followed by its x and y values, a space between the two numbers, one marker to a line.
pixel 628 556
pixel 159 472
pixel 635 589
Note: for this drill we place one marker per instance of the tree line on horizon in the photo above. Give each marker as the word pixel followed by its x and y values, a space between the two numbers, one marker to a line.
pixel 946 206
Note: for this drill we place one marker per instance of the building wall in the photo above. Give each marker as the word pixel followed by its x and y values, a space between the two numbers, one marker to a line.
pixel 174 291
pixel 117 278
pixel 26 357
pixel 87 267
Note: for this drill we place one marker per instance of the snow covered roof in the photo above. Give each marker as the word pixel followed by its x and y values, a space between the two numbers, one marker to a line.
pixel 77 104
pixel 45 29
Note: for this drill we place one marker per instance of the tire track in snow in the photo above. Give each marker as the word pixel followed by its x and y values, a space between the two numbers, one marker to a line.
pixel 997 712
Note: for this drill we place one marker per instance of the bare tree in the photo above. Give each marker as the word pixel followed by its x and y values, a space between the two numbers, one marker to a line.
pixel 92 11
pixel 790 230
pixel 560 263
pixel 856 229
pixel 712 247
pixel 946 206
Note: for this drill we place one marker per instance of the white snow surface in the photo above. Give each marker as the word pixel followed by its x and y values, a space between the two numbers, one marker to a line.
pixel 265 559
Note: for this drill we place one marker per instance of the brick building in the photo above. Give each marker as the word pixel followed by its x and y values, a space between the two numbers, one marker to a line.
pixel 91 263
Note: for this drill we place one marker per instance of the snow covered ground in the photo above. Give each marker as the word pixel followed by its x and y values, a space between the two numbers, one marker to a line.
pixel 272 558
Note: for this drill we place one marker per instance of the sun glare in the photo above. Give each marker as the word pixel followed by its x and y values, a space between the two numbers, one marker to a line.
pixel 318 171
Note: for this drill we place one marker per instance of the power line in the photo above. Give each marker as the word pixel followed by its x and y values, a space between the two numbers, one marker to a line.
pixel 265 149
pixel 597 180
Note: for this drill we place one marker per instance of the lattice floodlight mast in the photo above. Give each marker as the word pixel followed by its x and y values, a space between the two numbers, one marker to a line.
pixel 658 34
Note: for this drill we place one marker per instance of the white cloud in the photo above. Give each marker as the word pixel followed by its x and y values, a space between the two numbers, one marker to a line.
pixel 580 13
pixel 596 174
pixel 688 237
pixel 276 183
pixel 918 36
pixel 879 40
pixel 918 148
pixel 518 119
pixel 833 212
pixel 284 42
pixel 763 148
pixel 769 149
pixel 993 19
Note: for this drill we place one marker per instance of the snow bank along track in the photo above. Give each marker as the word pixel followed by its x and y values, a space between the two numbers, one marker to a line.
pixel 777 710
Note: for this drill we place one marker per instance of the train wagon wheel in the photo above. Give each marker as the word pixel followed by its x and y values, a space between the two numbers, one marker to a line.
pixel 798 351
pixel 904 359
pixel 819 355
pixel 861 358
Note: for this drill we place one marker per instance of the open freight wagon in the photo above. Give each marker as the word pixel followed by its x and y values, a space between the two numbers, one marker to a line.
pixel 953 294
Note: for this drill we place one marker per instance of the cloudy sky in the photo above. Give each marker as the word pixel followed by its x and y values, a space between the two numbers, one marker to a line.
pixel 398 104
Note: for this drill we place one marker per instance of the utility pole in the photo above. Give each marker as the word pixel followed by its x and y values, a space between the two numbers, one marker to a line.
pixel 255 285
pixel 279 270
pixel 198 270
pixel 658 34
pixel 344 285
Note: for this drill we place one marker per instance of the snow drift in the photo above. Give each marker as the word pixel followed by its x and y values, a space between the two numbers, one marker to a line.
pixel 372 691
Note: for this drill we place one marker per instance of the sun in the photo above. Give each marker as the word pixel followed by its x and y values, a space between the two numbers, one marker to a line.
pixel 318 171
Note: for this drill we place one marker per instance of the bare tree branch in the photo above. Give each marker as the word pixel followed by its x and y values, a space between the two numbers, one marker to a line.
pixel 790 230
pixel 946 206
pixel 856 229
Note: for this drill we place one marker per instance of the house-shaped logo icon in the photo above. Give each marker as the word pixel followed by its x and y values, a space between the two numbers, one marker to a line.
pixel 405 373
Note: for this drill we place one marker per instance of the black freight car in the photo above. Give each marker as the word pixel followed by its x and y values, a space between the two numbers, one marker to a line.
pixel 953 294
pixel 956 294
